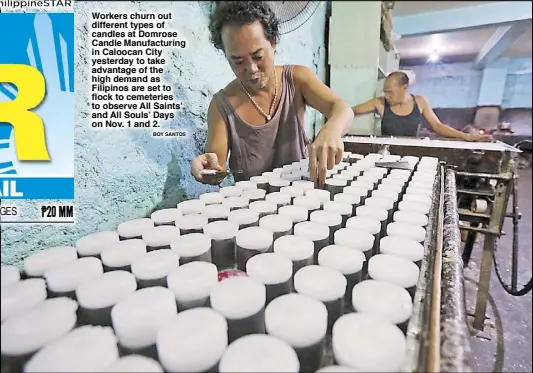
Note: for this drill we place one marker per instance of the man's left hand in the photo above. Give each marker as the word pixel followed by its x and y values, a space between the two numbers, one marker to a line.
pixel 325 152
pixel 476 137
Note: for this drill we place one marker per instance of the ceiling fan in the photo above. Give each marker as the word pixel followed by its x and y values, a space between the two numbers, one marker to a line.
pixel 293 14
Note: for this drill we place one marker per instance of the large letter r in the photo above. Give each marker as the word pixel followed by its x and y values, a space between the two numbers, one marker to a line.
pixel 28 127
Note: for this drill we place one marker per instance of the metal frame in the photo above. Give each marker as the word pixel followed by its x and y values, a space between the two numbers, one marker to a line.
pixel 477 164
pixel 491 229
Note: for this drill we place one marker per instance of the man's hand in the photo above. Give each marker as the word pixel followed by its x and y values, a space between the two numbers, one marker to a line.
pixel 475 137
pixel 207 161
pixel 325 152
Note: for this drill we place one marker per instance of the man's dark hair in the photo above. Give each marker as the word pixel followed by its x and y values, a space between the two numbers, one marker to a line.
pixel 240 13
pixel 400 77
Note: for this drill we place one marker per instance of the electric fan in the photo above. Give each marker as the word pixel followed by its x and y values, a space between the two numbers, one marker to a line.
pixel 292 14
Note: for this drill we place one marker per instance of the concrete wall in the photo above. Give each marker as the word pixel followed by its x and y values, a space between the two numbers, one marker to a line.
pixel 455 90
pixel 127 175
pixel 458 85
pixel 518 92
pixel 447 85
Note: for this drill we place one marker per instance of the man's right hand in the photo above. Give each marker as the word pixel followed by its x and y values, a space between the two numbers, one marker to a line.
pixel 207 161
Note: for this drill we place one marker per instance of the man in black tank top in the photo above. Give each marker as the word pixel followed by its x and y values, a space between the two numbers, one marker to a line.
pixel 401 112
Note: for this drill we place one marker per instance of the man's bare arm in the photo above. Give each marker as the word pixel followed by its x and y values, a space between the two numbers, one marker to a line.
pixel 366 107
pixel 320 97
pixel 436 125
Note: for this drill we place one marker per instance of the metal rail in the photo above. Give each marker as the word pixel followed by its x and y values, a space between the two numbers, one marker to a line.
pixel 418 335
pixel 438 333
pixel 433 364
pixel 481 230
pixel 455 334
pixel 502 176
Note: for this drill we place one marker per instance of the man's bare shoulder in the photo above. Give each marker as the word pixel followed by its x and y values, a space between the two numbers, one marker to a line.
pixel 421 100
pixel 230 91
pixel 232 88
pixel 302 74
pixel 302 71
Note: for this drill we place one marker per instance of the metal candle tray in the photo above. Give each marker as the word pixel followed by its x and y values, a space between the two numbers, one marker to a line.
pixel 480 157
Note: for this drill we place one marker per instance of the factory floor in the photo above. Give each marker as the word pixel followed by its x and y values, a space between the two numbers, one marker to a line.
pixel 505 344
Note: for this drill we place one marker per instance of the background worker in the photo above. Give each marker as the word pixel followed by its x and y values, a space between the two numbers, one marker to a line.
pixel 401 112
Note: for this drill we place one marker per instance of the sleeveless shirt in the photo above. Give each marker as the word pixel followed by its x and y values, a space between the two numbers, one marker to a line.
pixel 280 141
pixel 401 125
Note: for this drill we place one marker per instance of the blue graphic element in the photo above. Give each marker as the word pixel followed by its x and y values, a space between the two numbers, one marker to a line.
pixel 45 41
pixel 39 187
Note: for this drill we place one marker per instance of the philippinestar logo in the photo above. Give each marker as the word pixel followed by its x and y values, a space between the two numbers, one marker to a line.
pixel 28 127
